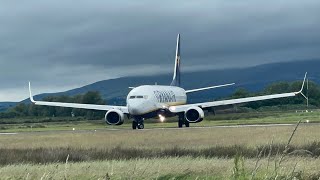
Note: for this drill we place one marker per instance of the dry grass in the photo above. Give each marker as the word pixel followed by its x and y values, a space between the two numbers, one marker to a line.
pixel 53 155
pixel 158 153
pixel 164 138
pixel 159 168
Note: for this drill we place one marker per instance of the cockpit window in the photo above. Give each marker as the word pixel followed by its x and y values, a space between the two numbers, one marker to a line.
pixel 138 97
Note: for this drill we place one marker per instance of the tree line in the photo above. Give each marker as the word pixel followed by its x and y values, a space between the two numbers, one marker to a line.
pixel 312 91
pixel 29 109
pixel 93 97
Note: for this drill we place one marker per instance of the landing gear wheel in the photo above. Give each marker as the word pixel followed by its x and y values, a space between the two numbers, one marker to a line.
pixel 181 120
pixel 186 123
pixel 134 124
pixel 138 123
pixel 141 125
pixel 180 123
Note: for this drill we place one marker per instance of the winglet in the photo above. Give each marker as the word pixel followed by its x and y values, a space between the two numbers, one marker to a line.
pixel 304 80
pixel 302 86
pixel 30 93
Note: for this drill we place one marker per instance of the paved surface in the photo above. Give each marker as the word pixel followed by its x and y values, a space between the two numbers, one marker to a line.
pixel 167 128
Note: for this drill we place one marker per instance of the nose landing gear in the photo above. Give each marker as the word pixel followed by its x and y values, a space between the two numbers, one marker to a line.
pixel 137 123
pixel 134 124
pixel 182 121
pixel 140 125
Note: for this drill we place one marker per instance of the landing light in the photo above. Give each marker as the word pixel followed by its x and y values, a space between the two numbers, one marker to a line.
pixel 162 118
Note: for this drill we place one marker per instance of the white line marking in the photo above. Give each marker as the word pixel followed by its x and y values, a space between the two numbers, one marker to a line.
pixel 8 133
pixel 171 128
pixel 222 126
pixel 257 125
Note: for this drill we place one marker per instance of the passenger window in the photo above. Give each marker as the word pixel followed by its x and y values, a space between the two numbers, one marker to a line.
pixel 140 97
pixel 132 97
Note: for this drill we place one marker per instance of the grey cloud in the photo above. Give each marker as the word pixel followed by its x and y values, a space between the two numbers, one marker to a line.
pixel 66 44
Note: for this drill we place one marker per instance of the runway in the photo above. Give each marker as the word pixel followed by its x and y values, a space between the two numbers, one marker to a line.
pixel 164 128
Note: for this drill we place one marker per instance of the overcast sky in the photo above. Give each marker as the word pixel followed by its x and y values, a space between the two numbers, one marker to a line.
pixel 63 44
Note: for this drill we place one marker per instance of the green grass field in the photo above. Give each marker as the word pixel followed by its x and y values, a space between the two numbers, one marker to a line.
pixel 58 124
pixel 163 168
pixel 96 151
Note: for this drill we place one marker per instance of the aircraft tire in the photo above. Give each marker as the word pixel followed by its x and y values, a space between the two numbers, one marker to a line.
pixel 134 124
pixel 187 123
pixel 180 123
pixel 141 125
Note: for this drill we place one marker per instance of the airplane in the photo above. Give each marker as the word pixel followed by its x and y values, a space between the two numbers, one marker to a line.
pixel 150 101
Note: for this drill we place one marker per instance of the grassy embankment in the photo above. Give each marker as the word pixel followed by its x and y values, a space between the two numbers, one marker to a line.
pixel 167 168
pixel 211 153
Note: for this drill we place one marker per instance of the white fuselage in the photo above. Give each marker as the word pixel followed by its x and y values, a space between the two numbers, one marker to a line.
pixel 149 98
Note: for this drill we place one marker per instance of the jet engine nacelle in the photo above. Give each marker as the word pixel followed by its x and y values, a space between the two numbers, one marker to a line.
pixel 114 117
pixel 194 114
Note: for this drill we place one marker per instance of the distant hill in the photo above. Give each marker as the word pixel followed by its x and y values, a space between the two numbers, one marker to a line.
pixel 251 78
pixel 5 105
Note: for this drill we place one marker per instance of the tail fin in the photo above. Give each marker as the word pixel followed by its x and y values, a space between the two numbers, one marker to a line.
pixel 176 73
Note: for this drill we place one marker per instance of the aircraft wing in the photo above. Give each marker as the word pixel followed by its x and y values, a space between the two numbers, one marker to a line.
pixel 124 109
pixel 182 108
pixel 211 87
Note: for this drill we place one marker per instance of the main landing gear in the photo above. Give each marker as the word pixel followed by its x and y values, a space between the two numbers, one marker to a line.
pixel 182 121
pixel 137 123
